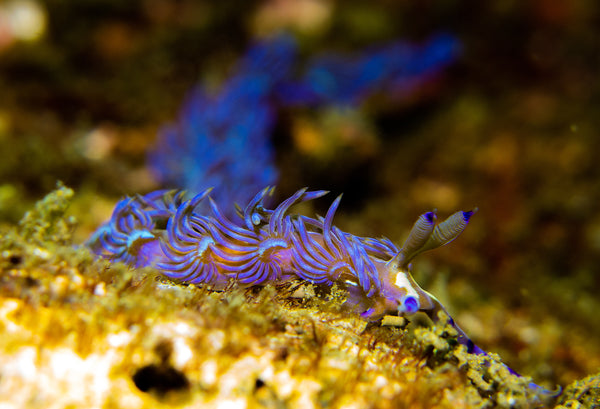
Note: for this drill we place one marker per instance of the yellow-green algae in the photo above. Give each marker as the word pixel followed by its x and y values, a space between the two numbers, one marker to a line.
pixel 78 332
pixel 584 393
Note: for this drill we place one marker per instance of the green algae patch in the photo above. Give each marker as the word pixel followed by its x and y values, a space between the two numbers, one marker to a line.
pixel 80 332
pixel 47 222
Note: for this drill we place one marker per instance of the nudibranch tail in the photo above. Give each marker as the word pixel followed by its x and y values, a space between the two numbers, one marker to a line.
pixel 125 235
pixel 472 348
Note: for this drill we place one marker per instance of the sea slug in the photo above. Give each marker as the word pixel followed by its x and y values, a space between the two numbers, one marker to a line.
pixel 264 245
pixel 162 229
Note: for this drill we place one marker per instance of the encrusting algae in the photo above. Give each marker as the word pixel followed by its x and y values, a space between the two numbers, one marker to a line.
pixel 79 332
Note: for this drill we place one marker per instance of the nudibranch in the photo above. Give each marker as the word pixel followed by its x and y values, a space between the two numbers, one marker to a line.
pixel 163 230
pixel 262 245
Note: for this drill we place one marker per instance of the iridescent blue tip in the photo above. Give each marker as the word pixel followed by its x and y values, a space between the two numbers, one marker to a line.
pixel 430 216
pixel 467 215
pixel 411 305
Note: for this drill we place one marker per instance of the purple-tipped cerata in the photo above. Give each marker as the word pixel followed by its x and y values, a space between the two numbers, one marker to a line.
pixel 265 245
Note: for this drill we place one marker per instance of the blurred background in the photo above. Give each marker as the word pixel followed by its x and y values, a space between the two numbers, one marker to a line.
pixel 502 116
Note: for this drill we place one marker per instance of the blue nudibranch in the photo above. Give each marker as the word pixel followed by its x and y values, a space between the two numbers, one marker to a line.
pixel 162 229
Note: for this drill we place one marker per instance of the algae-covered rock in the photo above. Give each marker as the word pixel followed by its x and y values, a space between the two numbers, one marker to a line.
pixel 491 383
pixel 47 222
pixel 584 393
pixel 79 332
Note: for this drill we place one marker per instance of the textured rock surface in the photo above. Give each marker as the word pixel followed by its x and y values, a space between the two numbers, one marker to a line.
pixel 84 333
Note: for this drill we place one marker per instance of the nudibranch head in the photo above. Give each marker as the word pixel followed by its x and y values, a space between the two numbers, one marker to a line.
pixel 399 293
pixel 409 303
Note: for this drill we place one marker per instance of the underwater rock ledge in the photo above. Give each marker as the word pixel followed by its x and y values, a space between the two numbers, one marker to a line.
pixel 79 332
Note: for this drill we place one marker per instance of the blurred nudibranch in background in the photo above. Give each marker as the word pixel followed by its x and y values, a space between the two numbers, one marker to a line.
pixel 222 139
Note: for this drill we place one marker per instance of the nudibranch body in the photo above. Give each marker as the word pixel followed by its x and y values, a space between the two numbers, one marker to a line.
pixel 163 230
